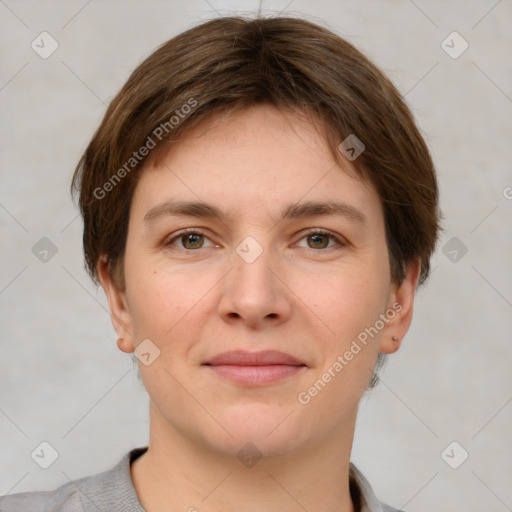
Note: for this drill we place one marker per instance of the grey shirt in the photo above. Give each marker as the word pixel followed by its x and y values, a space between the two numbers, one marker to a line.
pixel 113 491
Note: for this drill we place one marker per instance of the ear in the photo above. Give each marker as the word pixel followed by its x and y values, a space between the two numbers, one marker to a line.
pixel 119 312
pixel 399 312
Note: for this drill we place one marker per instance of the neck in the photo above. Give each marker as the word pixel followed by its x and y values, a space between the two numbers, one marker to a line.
pixel 178 474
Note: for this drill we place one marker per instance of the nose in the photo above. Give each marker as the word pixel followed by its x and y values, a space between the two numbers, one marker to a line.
pixel 254 294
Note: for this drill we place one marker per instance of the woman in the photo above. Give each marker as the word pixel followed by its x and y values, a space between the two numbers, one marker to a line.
pixel 259 208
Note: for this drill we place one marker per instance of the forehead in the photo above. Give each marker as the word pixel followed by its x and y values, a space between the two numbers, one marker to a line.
pixel 257 158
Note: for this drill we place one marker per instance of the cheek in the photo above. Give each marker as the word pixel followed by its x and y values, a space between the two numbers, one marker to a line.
pixel 347 304
pixel 162 303
pixel 346 301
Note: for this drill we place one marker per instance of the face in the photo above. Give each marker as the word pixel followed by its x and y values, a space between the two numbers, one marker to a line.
pixel 258 269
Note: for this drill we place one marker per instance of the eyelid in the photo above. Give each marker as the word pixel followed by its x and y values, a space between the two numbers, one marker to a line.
pixel 341 241
pixel 169 240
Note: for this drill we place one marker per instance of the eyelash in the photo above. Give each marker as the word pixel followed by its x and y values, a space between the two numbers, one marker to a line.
pixel 318 231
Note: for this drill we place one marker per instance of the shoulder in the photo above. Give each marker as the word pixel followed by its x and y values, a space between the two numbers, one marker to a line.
pixel 63 499
pixel 111 490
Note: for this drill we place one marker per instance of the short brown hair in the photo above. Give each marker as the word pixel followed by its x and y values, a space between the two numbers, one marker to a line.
pixel 227 64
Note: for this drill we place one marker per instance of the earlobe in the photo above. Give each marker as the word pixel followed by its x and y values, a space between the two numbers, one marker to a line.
pixel 401 302
pixel 389 344
pixel 125 345
pixel 119 311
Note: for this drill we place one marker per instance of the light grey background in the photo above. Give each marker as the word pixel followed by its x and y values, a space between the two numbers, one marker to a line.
pixel 62 379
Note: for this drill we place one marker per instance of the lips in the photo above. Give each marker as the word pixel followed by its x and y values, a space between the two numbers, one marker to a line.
pixel 255 368
pixel 262 358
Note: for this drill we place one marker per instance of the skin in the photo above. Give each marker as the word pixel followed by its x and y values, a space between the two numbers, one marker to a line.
pixel 304 295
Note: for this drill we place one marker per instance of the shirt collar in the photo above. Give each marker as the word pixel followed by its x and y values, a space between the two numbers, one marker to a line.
pixel 360 488
pixel 369 502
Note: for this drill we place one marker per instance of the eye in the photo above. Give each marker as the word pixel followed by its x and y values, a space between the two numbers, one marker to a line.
pixel 189 239
pixel 319 239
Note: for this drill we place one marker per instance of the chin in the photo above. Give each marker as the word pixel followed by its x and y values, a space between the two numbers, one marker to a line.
pixel 268 429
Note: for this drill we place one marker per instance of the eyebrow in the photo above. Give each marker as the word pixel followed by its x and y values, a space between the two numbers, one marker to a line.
pixel 315 208
pixel 292 211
